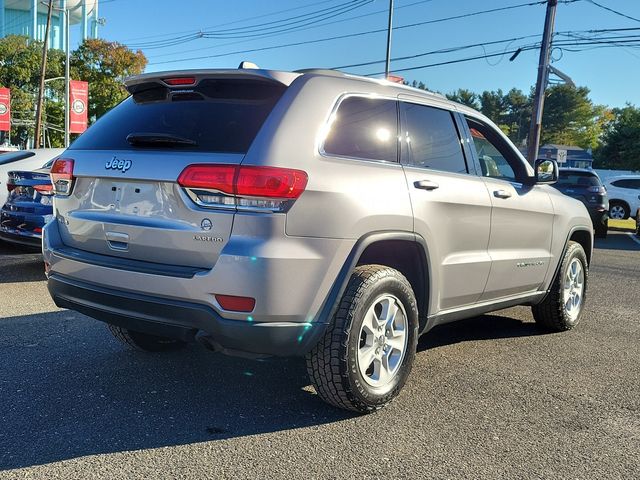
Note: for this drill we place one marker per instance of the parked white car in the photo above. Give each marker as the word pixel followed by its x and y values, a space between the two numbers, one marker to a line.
pixel 26 160
pixel 624 196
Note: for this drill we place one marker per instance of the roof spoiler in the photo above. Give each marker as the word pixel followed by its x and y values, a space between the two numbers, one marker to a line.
pixel 190 78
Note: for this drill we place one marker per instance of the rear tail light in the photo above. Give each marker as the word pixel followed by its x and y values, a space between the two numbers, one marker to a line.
pixel 596 189
pixel 270 189
pixel 62 176
pixel 236 304
pixel 46 189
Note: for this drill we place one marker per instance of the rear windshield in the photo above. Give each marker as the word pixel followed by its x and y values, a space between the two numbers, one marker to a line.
pixel 578 179
pixel 217 116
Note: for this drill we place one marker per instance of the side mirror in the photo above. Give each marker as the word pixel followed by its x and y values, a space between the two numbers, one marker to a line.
pixel 547 171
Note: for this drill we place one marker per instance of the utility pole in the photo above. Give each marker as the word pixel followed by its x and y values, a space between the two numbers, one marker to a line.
pixel 67 79
pixel 533 145
pixel 43 71
pixel 387 67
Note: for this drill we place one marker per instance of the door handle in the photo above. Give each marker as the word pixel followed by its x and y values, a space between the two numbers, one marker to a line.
pixel 117 241
pixel 426 185
pixel 501 194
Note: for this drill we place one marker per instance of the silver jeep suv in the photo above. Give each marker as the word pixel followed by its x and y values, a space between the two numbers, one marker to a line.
pixel 310 213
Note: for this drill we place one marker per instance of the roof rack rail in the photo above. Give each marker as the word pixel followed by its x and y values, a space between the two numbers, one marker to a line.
pixel 322 71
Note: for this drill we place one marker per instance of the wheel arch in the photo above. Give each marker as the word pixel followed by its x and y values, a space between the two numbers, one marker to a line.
pixel 584 238
pixel 396 249
pixel 622 202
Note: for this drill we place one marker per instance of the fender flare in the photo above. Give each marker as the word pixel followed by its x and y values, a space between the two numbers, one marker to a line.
pixel 330 304
pixel 574 229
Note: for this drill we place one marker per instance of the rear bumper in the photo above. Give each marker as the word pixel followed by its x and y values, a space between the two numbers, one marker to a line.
pixel 27 239
pixel 19 227
pixel 183 320
pixel 599 217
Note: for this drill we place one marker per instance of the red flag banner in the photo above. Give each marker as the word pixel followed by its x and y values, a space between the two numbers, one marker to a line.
pixel 5 110
pixel 79 99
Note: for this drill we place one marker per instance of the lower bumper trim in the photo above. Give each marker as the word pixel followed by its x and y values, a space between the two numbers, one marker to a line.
pixel 183 320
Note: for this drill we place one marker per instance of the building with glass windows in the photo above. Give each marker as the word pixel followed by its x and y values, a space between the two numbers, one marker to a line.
pixel 29 18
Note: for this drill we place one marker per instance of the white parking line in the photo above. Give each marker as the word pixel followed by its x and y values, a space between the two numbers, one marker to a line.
pixel 633 237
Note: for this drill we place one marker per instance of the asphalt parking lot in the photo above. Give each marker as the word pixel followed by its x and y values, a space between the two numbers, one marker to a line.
pixel 490 397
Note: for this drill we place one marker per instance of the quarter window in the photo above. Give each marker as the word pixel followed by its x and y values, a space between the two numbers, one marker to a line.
pixel 364 128
pixel 432 139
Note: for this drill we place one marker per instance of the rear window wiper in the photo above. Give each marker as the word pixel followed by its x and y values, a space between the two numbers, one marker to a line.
pixel 141 139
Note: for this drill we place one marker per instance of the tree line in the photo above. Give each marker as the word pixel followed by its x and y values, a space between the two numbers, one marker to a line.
pixel 103 64
pixel 570 118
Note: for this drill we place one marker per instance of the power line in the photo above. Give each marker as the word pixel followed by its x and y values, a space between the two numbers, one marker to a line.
pixel 435 52
pixel 604 7
pixel 589 42
pixel 351 35
pixel 231 23
pixel 277 26
pixel 322 24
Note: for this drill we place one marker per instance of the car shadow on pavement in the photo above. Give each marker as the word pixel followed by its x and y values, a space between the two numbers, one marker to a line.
pixel 68 389
pixel 20 265
pixel 14 269
pixel 617 241
pixel 484 327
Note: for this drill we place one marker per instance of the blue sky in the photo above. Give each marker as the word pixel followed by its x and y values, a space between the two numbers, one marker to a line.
pixel 612 74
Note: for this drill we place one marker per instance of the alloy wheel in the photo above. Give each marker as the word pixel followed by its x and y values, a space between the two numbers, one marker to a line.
pixel 383 341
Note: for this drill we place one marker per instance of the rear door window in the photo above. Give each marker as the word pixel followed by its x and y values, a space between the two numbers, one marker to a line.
pixel 364 128
pixel 577 179
pixel 432 139
pixel 218 115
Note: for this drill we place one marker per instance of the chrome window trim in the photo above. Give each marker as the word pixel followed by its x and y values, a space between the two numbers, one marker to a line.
pixel 328 121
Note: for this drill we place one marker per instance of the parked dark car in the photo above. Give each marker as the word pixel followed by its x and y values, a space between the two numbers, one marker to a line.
pixel 27 208
pixel 585 185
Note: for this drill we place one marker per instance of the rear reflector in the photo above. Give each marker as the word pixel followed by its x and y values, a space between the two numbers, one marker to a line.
pixel 46 189
pixel 180 81
pixel 236 304
pixel 62 176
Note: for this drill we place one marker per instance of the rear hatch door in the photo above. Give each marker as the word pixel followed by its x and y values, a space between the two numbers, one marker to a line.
pixel 126 201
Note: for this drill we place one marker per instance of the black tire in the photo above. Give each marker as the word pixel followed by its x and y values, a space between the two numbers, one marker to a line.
pixel 551 313
pixel 623 206
pixel 332 364
pixel 145 342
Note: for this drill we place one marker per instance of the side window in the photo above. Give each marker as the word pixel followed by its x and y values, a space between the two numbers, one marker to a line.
pixel 432 139
pixel 627 183
pixel 364 128
pixel 497 160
